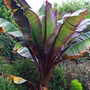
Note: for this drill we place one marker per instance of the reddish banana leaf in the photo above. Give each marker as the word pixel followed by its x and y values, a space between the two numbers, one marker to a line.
pixel 36 33
pixel 23 23
pixel 65 31
pixel 49 21
pixel 24 4
pixel 20 19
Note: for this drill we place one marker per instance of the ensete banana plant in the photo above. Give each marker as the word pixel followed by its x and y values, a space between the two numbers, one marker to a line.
pixel 43 39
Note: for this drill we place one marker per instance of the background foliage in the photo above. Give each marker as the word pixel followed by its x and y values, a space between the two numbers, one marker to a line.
pixel 70 5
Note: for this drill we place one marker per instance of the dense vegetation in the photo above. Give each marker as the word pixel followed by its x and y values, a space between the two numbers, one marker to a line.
pixel 6 43
pixel 21 68
pixel 60 77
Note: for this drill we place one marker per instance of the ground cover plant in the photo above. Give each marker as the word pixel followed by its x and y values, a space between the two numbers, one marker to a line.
pixel 45 40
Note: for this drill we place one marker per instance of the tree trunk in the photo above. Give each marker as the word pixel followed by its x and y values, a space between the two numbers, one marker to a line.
pixel 44 84
pixel 44 87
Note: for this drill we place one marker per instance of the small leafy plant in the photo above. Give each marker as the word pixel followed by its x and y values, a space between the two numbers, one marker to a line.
pixel 43 39
pixel 75 85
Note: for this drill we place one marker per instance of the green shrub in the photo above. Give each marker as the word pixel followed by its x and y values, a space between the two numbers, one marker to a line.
pixel 75 85
pixel 57 80
pixel 5 86
pixel 6 46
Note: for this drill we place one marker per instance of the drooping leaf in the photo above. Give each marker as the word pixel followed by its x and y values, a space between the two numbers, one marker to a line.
pixel 23 51
pixel 82 26
pixel 19 80
pixel 11 4
pixel 7 27
pixel 15 79
pixel 80 45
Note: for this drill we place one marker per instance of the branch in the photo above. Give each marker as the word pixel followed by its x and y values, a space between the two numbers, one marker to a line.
pixel 32 85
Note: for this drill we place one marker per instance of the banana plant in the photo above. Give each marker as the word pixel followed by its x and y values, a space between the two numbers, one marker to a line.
pixel 43 39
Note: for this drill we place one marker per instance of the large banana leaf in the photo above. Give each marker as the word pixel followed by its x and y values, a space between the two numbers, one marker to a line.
pixel 36 34
pixel 9 28
pixel 49 21
pixel 30 25
pixel 22 21
pixel 78 46
pixel 81 27
pixel 25 27
pixel 64 31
